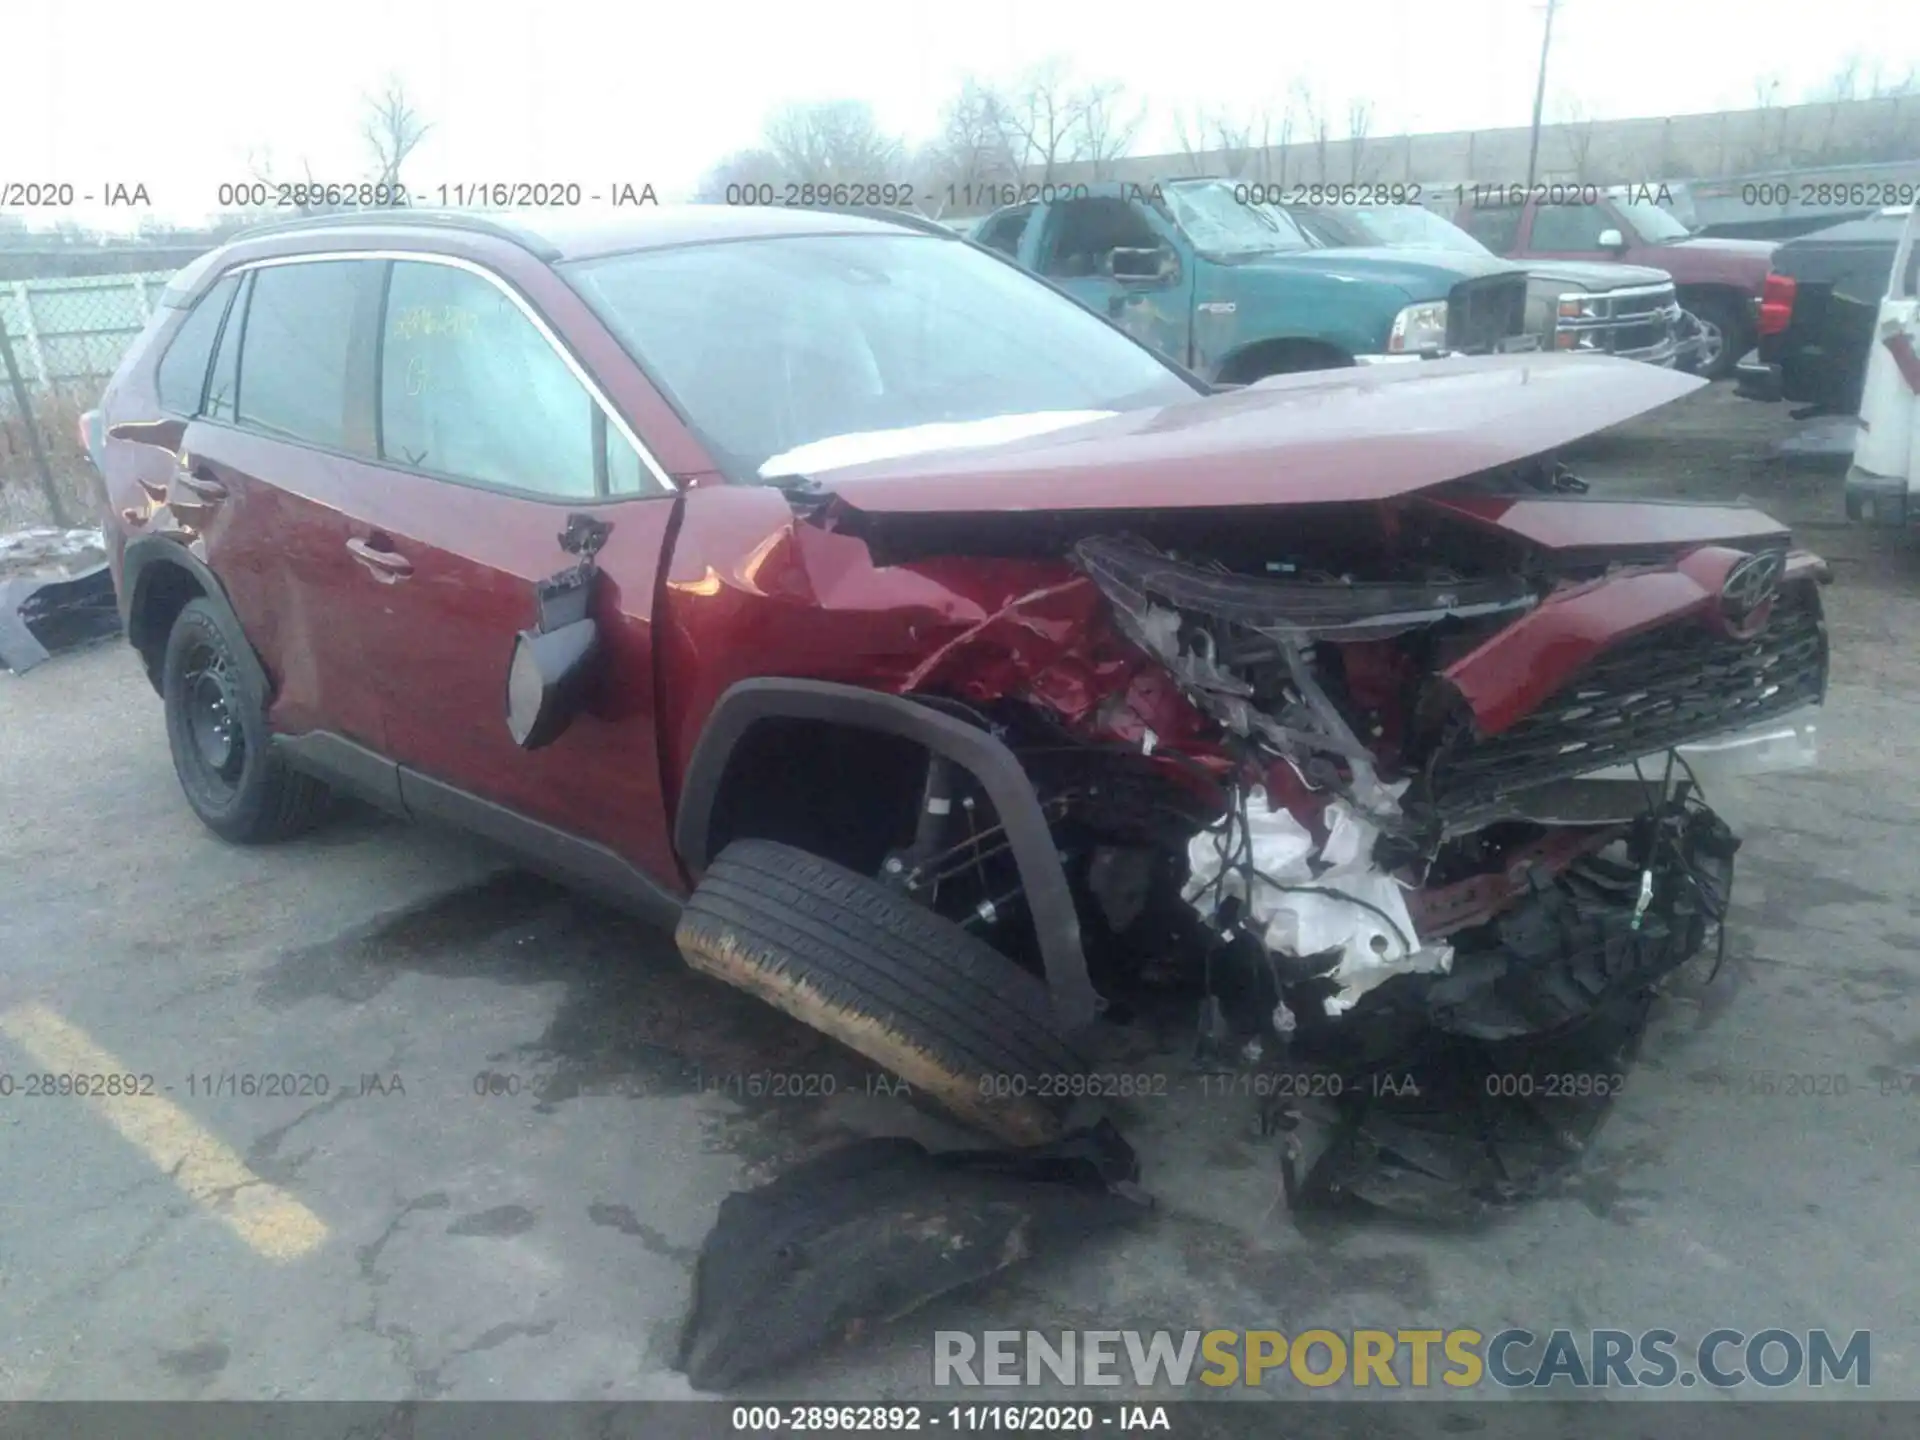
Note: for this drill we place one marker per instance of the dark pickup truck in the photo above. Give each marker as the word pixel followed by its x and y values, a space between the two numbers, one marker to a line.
pixel 1237 291
pixel 1718 279
pixel 1817 312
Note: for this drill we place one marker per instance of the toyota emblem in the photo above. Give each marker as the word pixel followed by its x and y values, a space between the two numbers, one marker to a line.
pixel 1746 595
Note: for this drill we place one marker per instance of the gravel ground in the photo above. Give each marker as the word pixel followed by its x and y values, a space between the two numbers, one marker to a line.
pixel 402 1237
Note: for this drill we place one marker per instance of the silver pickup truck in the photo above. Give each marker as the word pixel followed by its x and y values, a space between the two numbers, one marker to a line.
pixel 1583 306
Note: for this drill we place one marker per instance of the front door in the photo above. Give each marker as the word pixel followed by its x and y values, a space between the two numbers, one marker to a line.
pixel 1572 232
pixel 488 440
pixel 1097 250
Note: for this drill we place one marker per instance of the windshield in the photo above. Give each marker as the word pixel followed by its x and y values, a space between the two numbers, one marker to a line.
pixel 1650 222
pixel 1219 223
pixel 1409 227
pixel 769 345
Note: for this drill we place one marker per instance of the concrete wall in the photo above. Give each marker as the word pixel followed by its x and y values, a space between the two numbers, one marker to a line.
pixel 1732 142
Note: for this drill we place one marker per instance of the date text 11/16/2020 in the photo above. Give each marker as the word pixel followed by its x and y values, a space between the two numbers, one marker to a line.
pixel 462 195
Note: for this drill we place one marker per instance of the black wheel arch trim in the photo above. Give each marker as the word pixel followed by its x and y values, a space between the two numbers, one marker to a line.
pixel 142 560
pixel 1049 897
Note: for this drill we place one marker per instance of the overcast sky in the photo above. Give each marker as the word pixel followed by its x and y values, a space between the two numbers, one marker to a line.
pixel 176 94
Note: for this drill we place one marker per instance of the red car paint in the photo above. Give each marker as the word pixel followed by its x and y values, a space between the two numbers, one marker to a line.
pixel 720 582
pixel 1365 433
pixel 1580 524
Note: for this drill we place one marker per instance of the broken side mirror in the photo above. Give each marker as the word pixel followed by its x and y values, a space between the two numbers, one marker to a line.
pixel 553 664
pixel 1611 239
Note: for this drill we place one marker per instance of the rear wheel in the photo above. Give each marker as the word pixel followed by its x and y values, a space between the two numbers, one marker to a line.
pixel 238 787
pixel 909 990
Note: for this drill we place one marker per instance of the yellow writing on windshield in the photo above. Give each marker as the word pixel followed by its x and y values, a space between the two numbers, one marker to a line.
pixel 418 322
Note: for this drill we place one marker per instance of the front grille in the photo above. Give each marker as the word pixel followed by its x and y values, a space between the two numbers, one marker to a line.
pixel 1677 683
pixel 1483 313
pixel 1622 322
pixel 1650 302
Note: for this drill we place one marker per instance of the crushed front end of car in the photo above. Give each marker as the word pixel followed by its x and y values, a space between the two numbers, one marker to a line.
pixel 1406 775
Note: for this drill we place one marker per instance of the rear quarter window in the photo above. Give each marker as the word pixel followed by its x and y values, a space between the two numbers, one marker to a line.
pixel 182 377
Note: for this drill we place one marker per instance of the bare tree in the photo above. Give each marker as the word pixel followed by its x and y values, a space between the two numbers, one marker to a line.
pixel 303 194
pixel 738 177
pixel 1359 126
pixel 1318 132
pixel 1045 117
pixel 1108 123
pixel 1881 134
pixel 1239 144
pixel 832 141
pixel 393 130
pixel 1843 84
pixel 1191 132
pixel 1575 127
pixel 976 149
pixel 1265 133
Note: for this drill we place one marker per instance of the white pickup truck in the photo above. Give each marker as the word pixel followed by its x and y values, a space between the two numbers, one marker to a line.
pixel 1886 451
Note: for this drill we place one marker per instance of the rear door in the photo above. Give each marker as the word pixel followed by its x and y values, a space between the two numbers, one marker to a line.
pixel 489 435
pixel 262 467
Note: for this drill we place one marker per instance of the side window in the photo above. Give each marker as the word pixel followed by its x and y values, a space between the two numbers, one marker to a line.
pixel 1568 227
pixel 182 377
pixel 296 348
pixel 1086 231
pixel 1495 226
pixel 471 390
pixel 223 386
pixel 1002 232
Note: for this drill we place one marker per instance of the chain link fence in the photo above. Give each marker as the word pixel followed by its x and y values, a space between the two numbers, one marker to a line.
pixel 61 338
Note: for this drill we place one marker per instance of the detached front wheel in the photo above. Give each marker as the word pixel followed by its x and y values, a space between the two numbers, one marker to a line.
pixel 906 988
pixel 238 787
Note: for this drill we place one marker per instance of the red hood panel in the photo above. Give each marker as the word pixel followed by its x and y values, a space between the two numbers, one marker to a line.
pixel 1366 433
pixel 1579 523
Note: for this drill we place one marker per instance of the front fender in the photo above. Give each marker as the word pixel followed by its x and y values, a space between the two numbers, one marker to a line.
pixel 1353 316
pixel 1042 876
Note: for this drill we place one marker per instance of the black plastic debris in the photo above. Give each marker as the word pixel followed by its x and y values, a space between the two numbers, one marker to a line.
pixel 40 615
pixel 1462 1129
pixel 867 1233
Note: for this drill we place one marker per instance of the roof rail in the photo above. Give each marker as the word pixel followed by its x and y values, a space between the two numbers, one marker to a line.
pixel 408 217
pixel 909 219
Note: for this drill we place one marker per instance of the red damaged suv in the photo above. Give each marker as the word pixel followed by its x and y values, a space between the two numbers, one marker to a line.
pixel 936 658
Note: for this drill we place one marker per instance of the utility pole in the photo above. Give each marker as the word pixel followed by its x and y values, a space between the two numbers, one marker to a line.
pixel 1539 96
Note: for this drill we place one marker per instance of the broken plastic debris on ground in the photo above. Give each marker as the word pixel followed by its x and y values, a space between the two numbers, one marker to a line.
pixel 868 1232
pixel 56 593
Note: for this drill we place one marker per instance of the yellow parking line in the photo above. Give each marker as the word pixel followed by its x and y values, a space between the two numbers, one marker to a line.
pixel 265 1216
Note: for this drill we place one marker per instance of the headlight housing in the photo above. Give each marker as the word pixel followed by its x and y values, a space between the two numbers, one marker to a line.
pixel 1419 327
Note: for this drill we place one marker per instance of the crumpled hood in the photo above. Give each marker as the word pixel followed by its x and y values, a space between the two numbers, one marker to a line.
pixel 1359 434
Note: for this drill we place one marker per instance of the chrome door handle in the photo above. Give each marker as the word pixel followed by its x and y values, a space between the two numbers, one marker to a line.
pixel 386 565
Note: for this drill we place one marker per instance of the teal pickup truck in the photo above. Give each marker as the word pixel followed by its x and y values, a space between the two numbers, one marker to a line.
pixel 1236 291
